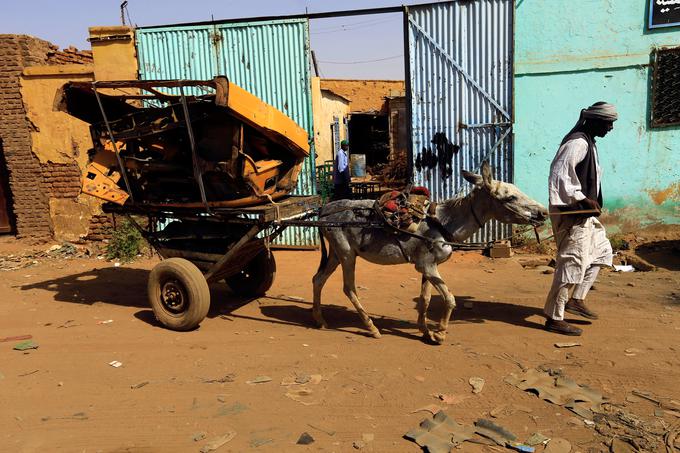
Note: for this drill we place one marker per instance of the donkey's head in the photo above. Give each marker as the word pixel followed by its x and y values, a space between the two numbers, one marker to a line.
pixel 504 201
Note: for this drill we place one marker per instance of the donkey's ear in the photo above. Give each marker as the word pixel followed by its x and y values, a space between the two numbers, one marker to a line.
pixel 473 178
pixel 486 174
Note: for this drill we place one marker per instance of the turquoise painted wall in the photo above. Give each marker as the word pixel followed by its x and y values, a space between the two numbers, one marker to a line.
pixel 565 62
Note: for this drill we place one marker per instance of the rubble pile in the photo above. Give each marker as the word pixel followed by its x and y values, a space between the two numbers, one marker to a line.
pixel 30 258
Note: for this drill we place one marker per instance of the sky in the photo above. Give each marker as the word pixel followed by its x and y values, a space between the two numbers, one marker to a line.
pixel 358 47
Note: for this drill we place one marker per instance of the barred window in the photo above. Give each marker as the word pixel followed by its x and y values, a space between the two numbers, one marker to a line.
pixel 666 87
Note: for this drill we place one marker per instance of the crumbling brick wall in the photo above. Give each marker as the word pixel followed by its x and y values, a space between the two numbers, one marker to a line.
pixel 70 55
pixel 32 183
pixel 29 191
pixel 100 227
pixel 62 180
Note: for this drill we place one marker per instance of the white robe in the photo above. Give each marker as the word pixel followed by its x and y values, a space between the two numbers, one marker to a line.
pixel 581 242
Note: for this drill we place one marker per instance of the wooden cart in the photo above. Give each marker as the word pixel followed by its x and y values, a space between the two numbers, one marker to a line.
pixel 228 244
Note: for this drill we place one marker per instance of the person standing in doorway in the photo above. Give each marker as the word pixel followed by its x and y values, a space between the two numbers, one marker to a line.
pixel 575 193
pixel 341 177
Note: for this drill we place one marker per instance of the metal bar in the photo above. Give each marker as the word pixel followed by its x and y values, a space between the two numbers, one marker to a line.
pixel 483 125
pixel 460 69
pixel 113 142
pixel 324 15
pixel 155 83
pixel 486 156
pixel 197 171
pixel 232 251
pixel 409 95
pixel 580 211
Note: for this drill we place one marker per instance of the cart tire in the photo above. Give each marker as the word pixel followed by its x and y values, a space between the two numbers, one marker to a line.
pixel 256 278
pixel 178 294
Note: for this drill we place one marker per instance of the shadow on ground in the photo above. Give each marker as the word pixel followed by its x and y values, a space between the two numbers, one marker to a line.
pixel 665 254
pixel 338 318
pixel 124 286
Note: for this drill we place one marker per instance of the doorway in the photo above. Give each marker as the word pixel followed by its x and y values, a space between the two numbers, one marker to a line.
pixel 6 215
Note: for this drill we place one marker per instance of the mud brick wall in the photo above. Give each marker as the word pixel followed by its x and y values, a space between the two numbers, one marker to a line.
pixel 100 227
pixel 29 191
pixel 70 55
pixel 62 180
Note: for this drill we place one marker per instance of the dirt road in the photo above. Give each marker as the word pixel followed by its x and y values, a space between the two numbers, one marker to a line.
pixel 352 390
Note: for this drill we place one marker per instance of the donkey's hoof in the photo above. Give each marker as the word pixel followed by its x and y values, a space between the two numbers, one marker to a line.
pixel 428 338
pixel 439 337
pixel 319 321
pixel 375 333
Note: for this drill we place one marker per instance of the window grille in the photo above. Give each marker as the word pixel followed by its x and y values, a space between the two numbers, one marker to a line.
pixel 665 109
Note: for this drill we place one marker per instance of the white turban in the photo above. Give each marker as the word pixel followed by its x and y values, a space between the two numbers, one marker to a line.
pixel 598 111
pixel 601 111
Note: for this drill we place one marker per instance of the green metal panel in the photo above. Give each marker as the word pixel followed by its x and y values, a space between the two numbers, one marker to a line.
pixel 268 58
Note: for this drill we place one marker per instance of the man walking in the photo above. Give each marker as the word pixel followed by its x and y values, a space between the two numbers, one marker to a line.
pixel 575 194
pixel 341 177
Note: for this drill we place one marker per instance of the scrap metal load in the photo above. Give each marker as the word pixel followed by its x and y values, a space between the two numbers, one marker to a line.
pixel 185 144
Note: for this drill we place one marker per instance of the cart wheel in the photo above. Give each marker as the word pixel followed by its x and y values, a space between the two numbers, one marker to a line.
pixel 256 278
pixel 178 294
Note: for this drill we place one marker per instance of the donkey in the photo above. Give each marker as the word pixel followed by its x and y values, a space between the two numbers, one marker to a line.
pixel 455 220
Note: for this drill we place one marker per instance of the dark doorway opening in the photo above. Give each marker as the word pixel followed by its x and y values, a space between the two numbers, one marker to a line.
pixel 370 135
pixel 6 215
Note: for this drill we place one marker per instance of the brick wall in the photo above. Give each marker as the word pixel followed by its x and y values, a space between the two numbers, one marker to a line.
pixel 29 191
pixel 364 95
pixel 70 55
pixel 100 227
pixel 62 180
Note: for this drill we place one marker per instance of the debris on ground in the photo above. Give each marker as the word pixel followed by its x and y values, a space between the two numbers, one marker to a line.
pixel 323 430
pixel 305 439
pixel 440 433
pixel 116 364
pixel 221 380
pixel 661 401
pixel 644 435
pixel 477 384
pixel 199 436
pixel 558 445
pixel 259 380
pixel 68 323
pixel 537 439
pixel 520 447
pixel 301 379
pixel 16 338
pixel 623 268
pixel 358 444
pixel 139 385
pixel 431 408
pixel 301 395
pixel 30 258
pixel 450 399
pixel 490 430
pixel 26 345
pixel 217 442
pixel 108 321
pixel 560 390
pixel 567 345
pixel 630 259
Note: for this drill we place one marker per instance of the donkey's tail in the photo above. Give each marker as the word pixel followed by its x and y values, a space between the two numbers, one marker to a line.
pixel 324 253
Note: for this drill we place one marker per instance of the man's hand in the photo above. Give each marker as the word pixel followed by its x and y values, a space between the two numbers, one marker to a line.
pixel 587 203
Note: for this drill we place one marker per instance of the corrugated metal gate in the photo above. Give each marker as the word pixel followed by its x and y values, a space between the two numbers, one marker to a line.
pixel 268 58
pixel 460 82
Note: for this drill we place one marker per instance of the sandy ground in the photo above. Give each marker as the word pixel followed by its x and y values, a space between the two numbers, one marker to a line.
pixel 64 396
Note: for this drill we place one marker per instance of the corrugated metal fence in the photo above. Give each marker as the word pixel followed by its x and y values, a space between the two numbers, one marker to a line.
pixel 267 58
pixel 460 77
